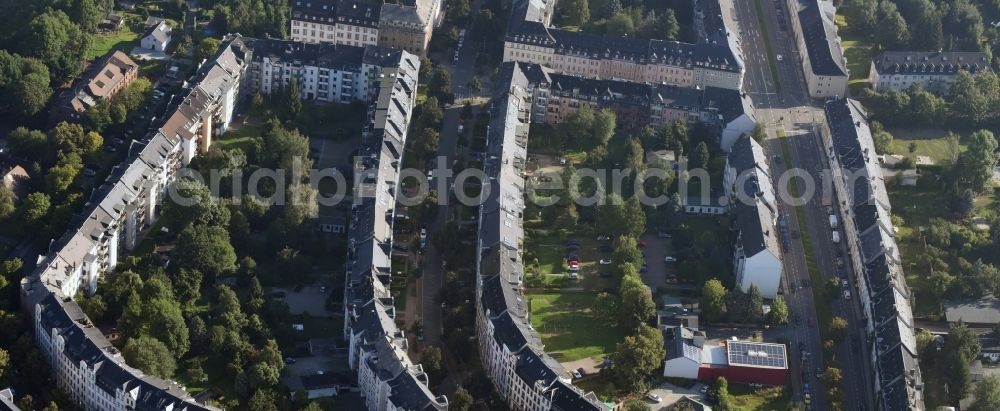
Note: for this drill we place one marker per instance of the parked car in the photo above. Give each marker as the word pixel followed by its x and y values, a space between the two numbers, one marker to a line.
pixel 662 234
pixel 642 244
pixel 606 248
pixel 89 172
pixel 847 294
pixel 653 397
pixel 669 259
pixel 644 269
pixel 606 274
pixel 603 237
pixel 290 360
pixel 582 371
pixel 576 374
pixel 605 262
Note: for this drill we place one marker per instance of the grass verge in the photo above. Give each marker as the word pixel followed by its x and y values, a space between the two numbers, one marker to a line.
pixel 771 64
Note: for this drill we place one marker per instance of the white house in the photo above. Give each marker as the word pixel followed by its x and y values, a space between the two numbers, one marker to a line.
pixel 683 352
pixel 933 70
pixel 820 51
pixel 156 37
pixel 757 255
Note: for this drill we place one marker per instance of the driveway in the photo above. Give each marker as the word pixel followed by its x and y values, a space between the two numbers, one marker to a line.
pixel 670 394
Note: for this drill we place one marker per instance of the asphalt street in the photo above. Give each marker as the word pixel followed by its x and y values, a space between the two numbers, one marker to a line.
pixel 786 106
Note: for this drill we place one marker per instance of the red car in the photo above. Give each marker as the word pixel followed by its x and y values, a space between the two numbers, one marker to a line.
pixel 642 243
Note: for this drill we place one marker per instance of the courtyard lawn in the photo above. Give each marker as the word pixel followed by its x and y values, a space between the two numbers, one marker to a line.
pixel 568 327
pixel 935 148
pixel 910 203
pixel 124 40
pixel 859 52
pixel 239 136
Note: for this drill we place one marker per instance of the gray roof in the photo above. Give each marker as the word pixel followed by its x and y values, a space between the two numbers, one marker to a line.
pixel 822 44
pixel 159 32
pixel 900 381
pixel 985 310
pixel 354 12
pixel 500 239
pixel 7 400
pixel 930 62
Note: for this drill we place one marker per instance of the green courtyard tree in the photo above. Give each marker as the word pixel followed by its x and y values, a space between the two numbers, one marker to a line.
pixel 779 311
pixel 987 395
pixel 207 250
pixel 626 251
pixel 206 48
pixel 637 357
pixel 838 328
pixel 150 355
pixel 636 306
pixel 713 300
pixel 975 165
pixel 723 398
pixel 34 207
pixel 461 400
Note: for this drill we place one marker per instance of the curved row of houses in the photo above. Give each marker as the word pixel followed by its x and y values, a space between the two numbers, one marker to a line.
pixel 85 365
pixel 512 352
pixel 91 370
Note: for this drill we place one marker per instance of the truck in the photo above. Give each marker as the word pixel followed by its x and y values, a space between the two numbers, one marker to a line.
pixel 836 237
pixel 833 222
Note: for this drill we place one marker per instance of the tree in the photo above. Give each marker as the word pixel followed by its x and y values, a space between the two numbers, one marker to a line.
pixel 575 12
pixel 668 25
pixel 621 24
pixel 33 92
pixel 55 40
pixel 832 377
pixel 700 156
pixel 759 132
pixel 181 46
pixel 881 138
pixel 894 32
pixel 32 210
pixel 962 339
pixel 206 48
pixel 756 313
pixel 430 358
pixel 625 250
pixel 779 311
pixel 7 206
pixel 603 127
pixel 721 390
pixel 612 7
pixel 4 363
pixel 861 13
pixel 636 306
pixel 207 250
pixel 263 400
pixel 461 400
pixel 31 144
pixel 838 328
pixel 957 373
pixel 293 97
pixel 987 394
pixel 636 405
pixel 150 355
pixel 713 300
pixel 975 166
pixel 636 357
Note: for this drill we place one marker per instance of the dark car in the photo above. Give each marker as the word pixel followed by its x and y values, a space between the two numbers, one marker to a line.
pixel 606 274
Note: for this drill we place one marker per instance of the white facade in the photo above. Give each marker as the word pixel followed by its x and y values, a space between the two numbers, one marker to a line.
pixel 157 38
pixel 681 367
pixel 85 365
pixel 762 269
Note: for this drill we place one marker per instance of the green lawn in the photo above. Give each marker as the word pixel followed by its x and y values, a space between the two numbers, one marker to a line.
pixel 124 40
pixel 747 398
pixel 239 138
pixel 935 148
pixel 911 203
pixel 858 50
pixel 568 326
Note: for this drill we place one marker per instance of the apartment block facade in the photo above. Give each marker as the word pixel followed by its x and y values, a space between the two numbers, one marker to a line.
pixel 713 62
pixel 819 49
pixel 934 71
pixel 512 352
pixel 85 365
pixel 407 25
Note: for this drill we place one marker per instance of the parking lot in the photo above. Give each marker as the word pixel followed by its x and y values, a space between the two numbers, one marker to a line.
pixel 308 299
pixel 657 269
pixel 669 395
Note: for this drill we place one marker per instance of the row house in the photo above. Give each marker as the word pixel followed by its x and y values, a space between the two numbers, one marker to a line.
pixel 874 256
pixel 934 71
pixel 819 49
pixel 85 365
pixel 636 105
pixel 751 198
pixel 715 61
pixel 512 352
pixel 406 25
pixel 387 378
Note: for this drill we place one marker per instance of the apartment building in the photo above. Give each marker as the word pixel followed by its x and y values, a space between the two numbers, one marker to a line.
pixel 713 62
pixel 85 365
pixel 325 72
pixel 874 255
pixel 819 49
pixel 555 96
pixel 100 82
pixel 512 352
pixel 406 25
pixel 7 400
pixel 935 71
pixel 387 378
pixel 751 198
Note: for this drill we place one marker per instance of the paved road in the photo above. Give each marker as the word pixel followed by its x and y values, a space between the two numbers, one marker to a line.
pixel 787 107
